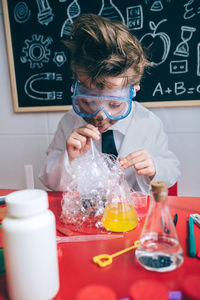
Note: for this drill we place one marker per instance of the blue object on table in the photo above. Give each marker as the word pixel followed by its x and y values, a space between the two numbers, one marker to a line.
pixel 2 266
pixel 196 219
pixel 192 247
pixel 175 295
pixel 175 219
pixel 2 200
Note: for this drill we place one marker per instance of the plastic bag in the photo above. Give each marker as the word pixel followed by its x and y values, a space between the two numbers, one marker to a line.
pixel 96 180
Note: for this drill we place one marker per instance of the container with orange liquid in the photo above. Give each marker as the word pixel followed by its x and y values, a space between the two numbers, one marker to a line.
pixel 119 217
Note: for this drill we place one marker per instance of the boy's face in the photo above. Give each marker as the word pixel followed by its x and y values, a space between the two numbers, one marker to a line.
pixel 100 120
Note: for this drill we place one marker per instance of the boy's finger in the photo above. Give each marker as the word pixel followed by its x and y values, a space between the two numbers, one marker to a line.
pixel 89 133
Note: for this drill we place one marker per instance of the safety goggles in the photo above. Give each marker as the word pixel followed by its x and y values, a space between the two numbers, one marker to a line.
pixel 116 103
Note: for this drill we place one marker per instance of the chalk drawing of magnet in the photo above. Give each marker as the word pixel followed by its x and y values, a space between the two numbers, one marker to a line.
pixel 178 66
pixel 31 90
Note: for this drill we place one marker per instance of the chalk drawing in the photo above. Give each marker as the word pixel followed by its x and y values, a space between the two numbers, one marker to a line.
pixel 109 10
pixel 179 88
pixel 39 94
pixel 198 59
pixel 36 51
pixel 134 17
pixel 178 66
pixel 186 34
pixel 151 37
pixel 21 12
pixel 73 11
pixel 191 9
pixel 45 15
pixel 59 58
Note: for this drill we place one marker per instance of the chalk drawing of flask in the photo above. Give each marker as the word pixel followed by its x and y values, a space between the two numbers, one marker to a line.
pixel 110 11
pixel 73 11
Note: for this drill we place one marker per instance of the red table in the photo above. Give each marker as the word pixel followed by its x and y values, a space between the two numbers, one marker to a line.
pixel 77 269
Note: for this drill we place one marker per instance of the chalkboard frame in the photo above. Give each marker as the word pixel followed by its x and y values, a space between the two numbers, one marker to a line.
pixel 13 77
pixel 17 108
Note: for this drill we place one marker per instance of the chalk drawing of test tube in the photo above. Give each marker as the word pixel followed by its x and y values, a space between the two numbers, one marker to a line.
pixel 42 95
pixel 73 11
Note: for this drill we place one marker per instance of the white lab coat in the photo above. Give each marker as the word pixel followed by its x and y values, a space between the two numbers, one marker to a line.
pixel 141 129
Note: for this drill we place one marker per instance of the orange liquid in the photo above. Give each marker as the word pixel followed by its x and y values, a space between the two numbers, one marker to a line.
pixel 119 217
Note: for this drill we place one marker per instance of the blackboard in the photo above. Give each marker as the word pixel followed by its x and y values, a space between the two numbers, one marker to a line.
pixel 169 31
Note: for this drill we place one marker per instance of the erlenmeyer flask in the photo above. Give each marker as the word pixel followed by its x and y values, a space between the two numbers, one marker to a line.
pixel 159 248
pixel 119 215
pixel 110 11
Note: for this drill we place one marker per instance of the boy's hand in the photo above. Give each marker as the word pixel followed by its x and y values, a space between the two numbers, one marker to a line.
pixel 141 161
pixel 79 140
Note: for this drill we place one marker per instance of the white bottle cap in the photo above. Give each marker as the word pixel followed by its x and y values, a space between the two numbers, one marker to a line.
pixel 26 203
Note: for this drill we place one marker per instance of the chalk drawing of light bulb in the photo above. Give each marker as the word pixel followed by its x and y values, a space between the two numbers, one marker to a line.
pixel 157 43
pixel 45 15
pixel 73 11
pixel 109 10
pixel 38 94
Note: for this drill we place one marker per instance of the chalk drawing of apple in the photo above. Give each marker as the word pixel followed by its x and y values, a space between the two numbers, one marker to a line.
pixel 157 44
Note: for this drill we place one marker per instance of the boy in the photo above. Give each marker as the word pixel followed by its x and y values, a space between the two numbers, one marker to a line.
pixel 107 64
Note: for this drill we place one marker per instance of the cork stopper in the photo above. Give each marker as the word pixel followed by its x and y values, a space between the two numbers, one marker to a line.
pixel 159 190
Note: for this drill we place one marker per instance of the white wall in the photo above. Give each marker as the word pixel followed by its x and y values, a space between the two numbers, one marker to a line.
pixel 24 137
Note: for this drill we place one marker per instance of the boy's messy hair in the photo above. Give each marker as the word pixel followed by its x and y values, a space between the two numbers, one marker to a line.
pixel 102 47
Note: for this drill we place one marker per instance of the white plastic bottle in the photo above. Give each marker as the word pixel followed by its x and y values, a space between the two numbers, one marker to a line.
pixel 29 240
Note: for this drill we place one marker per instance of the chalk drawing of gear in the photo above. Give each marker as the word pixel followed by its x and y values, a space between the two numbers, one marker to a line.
pixel 36 51
pixel 32 83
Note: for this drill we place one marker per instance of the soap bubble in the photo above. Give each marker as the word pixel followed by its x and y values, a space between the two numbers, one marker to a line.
pixel 95 181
